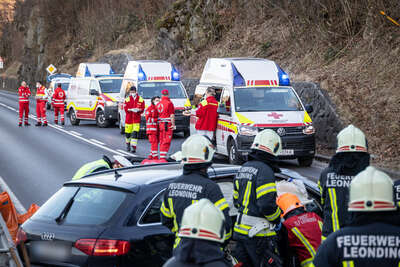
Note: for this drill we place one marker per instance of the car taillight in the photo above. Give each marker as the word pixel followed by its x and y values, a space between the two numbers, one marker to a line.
pixel 103 247
pixel 21 236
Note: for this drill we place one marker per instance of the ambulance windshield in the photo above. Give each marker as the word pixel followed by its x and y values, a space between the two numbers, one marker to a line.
pixel 149 89
pixel 266 99
pixel 110 85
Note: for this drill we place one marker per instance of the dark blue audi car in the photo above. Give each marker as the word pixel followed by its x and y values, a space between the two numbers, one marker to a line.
pixel 112 218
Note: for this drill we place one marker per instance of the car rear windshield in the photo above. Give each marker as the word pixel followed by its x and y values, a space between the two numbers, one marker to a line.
pixel 149 89
pixel 266 99
pixel 110 85
pixel 90 206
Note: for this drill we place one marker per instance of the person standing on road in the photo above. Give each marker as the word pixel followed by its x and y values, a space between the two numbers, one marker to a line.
pixel 41 99
pixel 202 233
pixel 351 158
pixel 207 114
pixel 301 234
pixel 58 103
pixel 152 127
pixel 134 107
pixel 254 196
pixel 193 185
pixel 23 98
pixel 372 238
pixel 166 119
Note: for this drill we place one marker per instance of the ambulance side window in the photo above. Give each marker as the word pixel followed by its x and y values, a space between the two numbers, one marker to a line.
pixel 225 102
pixel 93 86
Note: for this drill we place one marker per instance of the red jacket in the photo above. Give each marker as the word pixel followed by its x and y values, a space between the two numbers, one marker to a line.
pixel 304 234
pixel 165 109
pixel 58 97
pixel 130 102
pixel 41 92
pixel 207 114
pixel 24 93
pixel 151 119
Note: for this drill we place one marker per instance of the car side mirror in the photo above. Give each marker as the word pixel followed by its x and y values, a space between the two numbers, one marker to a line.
pixel 191 97
pixel 93 92
pixel 309 108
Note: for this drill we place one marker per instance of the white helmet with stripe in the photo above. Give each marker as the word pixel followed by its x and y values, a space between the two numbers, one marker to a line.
pixel 351 139
pixel 268 141
pixel 197 149
pixel 202 220
pixel 371 190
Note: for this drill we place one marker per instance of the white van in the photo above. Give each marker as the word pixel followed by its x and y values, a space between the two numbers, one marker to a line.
pixel 255 94
pixel 55 79
pixel 93 69
pixel 94 98
pixel 150 77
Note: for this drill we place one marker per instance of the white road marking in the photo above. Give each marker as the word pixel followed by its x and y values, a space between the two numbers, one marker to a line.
pixel 11 108
pixel 97 141
pixel 75 133
pixel 18 206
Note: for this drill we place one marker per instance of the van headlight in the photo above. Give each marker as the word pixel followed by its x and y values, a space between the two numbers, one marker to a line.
pixel 309 129
pixel 248 130
pixel 111 103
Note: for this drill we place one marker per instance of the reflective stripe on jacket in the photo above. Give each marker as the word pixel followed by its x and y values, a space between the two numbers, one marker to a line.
pixel 88 168
pixel 304 235
pixel 255 194
pixel 41 92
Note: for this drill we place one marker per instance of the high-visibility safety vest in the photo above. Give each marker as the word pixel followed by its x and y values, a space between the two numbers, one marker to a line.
pixel 88 168
pixel 151 120
pixel 41 92
pixel 304 235
pixel 207 114
pixel 23 94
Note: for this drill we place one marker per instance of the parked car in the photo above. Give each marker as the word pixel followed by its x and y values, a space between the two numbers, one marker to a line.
pixel 55 79
pixel 112 218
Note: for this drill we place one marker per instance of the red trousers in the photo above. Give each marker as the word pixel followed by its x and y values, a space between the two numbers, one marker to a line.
pixel 153 139
pixel 41 111
pixel 56 111
pixel 165 138
pixel 23 109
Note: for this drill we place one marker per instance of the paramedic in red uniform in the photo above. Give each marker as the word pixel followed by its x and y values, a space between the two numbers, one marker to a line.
pixel 24 93
pixel 41 99
pixel 152 126
pixel 301 234
pixel 207 115
pixel 58 104
pixel 166 119
pixel 134 107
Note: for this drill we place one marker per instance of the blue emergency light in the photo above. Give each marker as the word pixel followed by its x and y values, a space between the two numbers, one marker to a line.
pixel 175 76
pixel 283 77
pixel 141 74
pixel 237 77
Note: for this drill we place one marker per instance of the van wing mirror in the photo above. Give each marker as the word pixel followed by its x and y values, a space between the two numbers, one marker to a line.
pixel 93 92
pixel 309 108
pixel 191 97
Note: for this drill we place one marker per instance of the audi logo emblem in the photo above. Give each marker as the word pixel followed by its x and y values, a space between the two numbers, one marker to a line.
pixel 47 236
pixel 281 131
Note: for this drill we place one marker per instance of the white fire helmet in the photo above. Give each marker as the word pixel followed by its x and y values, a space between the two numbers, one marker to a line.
pixel 268 141
pixel 351 139
pixel 197 149
pixel 371 190
pixel 202 220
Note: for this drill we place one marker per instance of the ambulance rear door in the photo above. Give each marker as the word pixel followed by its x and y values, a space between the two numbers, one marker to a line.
pixel 226 126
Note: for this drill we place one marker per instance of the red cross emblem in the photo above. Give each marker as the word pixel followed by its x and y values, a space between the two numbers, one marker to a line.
pixel 275 115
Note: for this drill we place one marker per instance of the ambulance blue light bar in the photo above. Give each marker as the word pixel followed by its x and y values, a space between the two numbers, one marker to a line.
pixel 175 76
pixel 237 77
pixel 141 74
pixel 283 77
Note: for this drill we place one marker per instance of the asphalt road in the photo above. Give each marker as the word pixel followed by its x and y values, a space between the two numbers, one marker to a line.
pixel 36 161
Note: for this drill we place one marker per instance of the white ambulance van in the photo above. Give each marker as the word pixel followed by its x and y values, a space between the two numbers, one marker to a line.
pixel 255 94
pixel 150 77
pixel 93 94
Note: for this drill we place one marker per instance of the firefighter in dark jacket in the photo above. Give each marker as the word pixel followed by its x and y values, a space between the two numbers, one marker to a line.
pixel 193 185
pixel 301 234
pixel 350 159
pixel 372 238
pixel 202 233
pixel 254 195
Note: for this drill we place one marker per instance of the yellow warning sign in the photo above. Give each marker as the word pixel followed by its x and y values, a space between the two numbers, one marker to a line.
pixel 51 69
